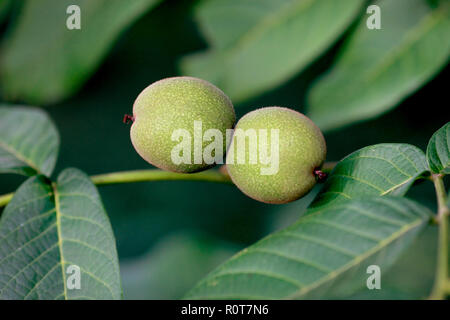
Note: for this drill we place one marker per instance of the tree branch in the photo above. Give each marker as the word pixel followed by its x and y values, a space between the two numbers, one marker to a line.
pixel 145 175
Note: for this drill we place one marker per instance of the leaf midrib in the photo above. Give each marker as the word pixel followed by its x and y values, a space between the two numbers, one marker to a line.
pixel 58 228
pixel 19 156
pixel 381 245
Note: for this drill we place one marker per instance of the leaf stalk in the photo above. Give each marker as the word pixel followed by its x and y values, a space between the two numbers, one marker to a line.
pixel 441 282
pixel 145 175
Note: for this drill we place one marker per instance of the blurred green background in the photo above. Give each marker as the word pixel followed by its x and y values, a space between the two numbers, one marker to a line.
pixel 170 234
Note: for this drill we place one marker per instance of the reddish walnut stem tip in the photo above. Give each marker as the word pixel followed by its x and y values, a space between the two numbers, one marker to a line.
pixel 320 175
pixel 127 118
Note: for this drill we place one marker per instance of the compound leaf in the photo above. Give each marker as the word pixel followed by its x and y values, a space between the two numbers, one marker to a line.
pixel 353 223
pixel 47 232
pixel 324 255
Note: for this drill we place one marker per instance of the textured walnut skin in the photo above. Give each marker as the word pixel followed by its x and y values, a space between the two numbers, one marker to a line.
pixel 175 103
pixel 302 150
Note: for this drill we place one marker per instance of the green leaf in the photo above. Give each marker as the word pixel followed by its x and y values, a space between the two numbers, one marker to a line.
pixel 438 151
pixel 29 141
pixel 47 228
pixel 43 61
pixel 382 169
pixel 377 69
pixel 324 255
pixel 258 44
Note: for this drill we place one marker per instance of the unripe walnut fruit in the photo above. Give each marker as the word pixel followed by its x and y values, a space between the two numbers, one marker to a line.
pixel 301 150
pixel 175 103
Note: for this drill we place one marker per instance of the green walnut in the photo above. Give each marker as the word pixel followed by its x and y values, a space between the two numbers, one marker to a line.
pixel 275 154
pixel 172 119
